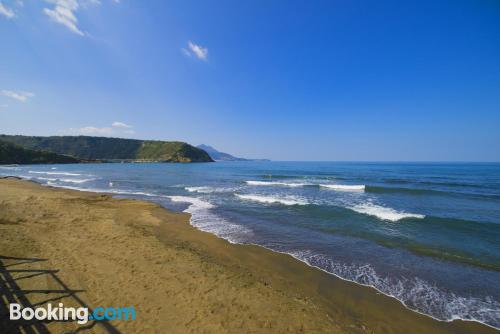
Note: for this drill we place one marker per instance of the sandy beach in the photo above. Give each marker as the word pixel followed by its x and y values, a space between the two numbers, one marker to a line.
pixel 89 249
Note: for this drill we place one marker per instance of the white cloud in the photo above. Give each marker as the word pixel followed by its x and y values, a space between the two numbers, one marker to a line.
pixel 7 12
pixel 116 129
pixel 121 125
pixel 20 96
pixel 64 13
pixel 59 11
pixel 197 50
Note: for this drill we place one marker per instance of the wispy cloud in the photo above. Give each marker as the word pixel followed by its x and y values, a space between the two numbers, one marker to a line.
pixel 59 11
pixel 6 11
pixel 116 129
pixel 19 96
pixel 63 13
pixel 197 50
pixel 121 125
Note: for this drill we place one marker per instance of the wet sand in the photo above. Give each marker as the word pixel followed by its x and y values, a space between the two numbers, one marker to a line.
pixel 88 249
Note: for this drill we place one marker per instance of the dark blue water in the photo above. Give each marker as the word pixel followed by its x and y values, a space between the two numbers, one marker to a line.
pixel 426 234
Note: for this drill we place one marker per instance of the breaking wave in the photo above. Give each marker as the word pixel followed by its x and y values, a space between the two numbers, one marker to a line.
pixel 204 219
pixel 383 212
pixel 276 183
pixel 55 173
pixel 285 200
pixel 208 190
pixel 344 187
pixel 64 180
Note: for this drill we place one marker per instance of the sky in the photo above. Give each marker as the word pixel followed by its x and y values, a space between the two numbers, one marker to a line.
pixel 277 79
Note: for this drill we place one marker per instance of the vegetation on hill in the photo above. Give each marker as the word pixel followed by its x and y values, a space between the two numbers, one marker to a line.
pixel 171 151
pixel 15 154
pixel 103 148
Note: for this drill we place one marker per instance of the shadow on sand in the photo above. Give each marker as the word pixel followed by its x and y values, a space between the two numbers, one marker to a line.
pixel 11 276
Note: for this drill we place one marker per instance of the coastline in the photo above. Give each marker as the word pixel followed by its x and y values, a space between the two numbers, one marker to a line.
pixel 129 252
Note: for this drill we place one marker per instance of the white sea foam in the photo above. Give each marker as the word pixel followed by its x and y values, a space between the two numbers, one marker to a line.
pixel 208 190
pixel 286 200
pixel 415 293
pixel 276 183
pixel 10 167
pixel 196 203
pixel 46 178
pixel 76 180
pixel 127 192
pixel 383 212
pixel 54 173
pixel 53 179
pixel 204 219
pixel 344 187
pixel 199 189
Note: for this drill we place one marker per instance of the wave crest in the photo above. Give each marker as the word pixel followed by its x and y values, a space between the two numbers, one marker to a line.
pixel 277 183
pixel 288 200
pixel 54 173
pixel 383 212
pixel 64 180
pixel 344 187
pixel 209 190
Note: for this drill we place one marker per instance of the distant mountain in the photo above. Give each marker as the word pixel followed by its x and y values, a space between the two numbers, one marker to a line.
pixel 216 155
pixel 221 156
pixel 15 154
pixel 110 149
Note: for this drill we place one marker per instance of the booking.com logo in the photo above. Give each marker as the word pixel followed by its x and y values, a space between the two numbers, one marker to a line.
pixel 81 315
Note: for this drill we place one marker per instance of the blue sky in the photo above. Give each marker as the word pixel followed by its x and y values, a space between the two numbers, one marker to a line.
pixel 286 80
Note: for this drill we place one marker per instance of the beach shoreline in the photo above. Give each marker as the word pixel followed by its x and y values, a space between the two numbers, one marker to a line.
pixel 124 252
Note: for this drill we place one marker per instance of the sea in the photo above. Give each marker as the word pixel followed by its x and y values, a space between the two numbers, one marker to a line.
pixel 427 234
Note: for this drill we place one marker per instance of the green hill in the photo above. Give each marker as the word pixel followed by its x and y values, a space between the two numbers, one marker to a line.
pixel 14 154
pixel 109 149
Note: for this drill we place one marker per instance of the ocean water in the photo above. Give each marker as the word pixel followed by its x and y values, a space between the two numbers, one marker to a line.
pixel 427 234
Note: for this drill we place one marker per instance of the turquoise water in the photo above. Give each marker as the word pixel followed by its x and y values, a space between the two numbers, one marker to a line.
pixel 427 234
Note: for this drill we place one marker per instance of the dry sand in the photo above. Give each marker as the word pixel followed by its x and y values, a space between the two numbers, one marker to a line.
pixel 82 248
